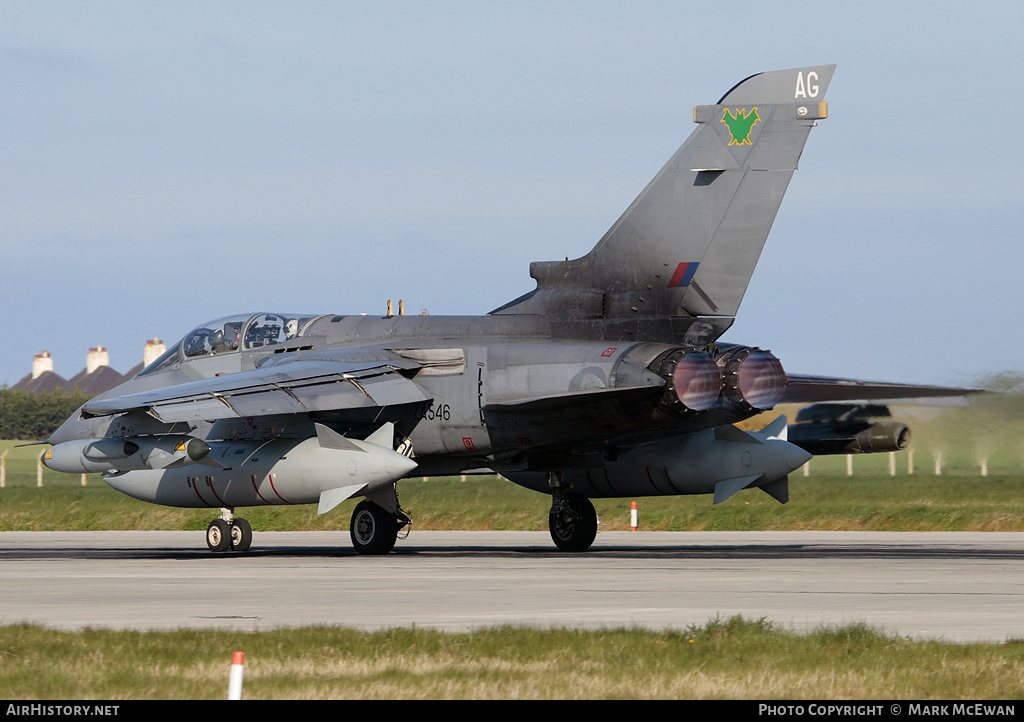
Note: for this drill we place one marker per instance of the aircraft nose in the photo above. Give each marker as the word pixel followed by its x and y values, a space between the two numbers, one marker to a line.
pixel 71 430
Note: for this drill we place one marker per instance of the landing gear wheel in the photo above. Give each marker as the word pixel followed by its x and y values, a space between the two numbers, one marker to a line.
pixel 218 536
pixel 241 535
pixel 374 529
pixel 573 523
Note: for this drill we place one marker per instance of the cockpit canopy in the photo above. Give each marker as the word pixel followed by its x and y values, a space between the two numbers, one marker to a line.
pixel 232 333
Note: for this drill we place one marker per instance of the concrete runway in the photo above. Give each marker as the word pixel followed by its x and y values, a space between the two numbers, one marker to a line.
pixel 955 586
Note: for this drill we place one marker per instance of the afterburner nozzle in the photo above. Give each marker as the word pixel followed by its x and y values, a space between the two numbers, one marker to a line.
pixel 753 379
pixel 694 381
pixel 697 381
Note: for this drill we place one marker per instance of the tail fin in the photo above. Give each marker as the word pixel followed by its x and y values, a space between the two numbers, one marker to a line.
pixel 686 247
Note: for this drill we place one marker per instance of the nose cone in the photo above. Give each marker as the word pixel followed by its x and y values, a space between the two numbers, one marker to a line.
pixel 781 457
pixel 402 465
pixel 48 459
pixel 381 465
pixel 785 456
pixel 69 459
pixel 796 457
pixel 196 449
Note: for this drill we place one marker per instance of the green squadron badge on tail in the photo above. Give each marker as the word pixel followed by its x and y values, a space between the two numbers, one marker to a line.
pixel 740 125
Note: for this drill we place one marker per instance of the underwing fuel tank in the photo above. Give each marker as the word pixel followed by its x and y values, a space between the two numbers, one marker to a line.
pixel 327 468
pixel 848 428
pixel 88 456
pixel 870 439
pixel 719 461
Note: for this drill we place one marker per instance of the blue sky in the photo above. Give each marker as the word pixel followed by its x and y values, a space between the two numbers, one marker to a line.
pixel 166 163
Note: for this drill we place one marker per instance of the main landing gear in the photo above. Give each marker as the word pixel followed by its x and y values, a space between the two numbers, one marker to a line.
pixel 374 529
pixel 572 520
pixel 228 532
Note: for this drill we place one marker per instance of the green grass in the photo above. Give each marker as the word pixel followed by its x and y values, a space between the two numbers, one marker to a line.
pixel 872 499
pixel 885 493
pixel 866 502
pixel 724 659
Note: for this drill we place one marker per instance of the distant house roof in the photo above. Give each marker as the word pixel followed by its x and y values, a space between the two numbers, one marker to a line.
pixel 45 383
pixel 102 379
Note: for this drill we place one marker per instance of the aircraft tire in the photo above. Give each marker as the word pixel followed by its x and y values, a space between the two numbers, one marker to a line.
pixel 373 529
pixel 218 536
pixel 574 526
pixel 241 535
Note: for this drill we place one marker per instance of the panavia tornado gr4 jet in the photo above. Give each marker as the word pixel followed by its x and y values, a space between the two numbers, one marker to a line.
pixel 606 380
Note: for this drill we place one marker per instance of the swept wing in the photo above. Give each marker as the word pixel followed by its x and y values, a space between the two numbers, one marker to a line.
pixel 299 386
pixel 814 389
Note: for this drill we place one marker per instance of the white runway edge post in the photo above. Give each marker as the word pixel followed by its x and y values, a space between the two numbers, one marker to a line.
pixel 632 516
pixel 235 680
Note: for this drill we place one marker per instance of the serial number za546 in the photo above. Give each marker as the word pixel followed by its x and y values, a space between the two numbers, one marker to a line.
pixel 441 412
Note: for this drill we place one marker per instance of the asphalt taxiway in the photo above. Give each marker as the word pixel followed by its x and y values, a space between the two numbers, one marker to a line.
pixel 960 586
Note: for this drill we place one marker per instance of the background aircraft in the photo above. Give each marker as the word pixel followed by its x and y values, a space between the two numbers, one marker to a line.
pixel 606 380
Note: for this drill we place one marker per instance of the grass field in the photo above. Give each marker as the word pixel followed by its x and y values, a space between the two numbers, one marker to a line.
pixel 723 659
pixel 825 499
pixel 866 503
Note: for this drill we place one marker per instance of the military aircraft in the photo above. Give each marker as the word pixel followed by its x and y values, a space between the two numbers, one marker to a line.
pixel 606 380
pixel 847 428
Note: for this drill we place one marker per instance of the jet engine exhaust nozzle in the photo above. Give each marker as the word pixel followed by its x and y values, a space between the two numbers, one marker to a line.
pixel 697 381
pixel 754 379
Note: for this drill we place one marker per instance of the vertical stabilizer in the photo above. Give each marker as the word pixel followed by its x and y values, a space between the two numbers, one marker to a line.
pixel 687 246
